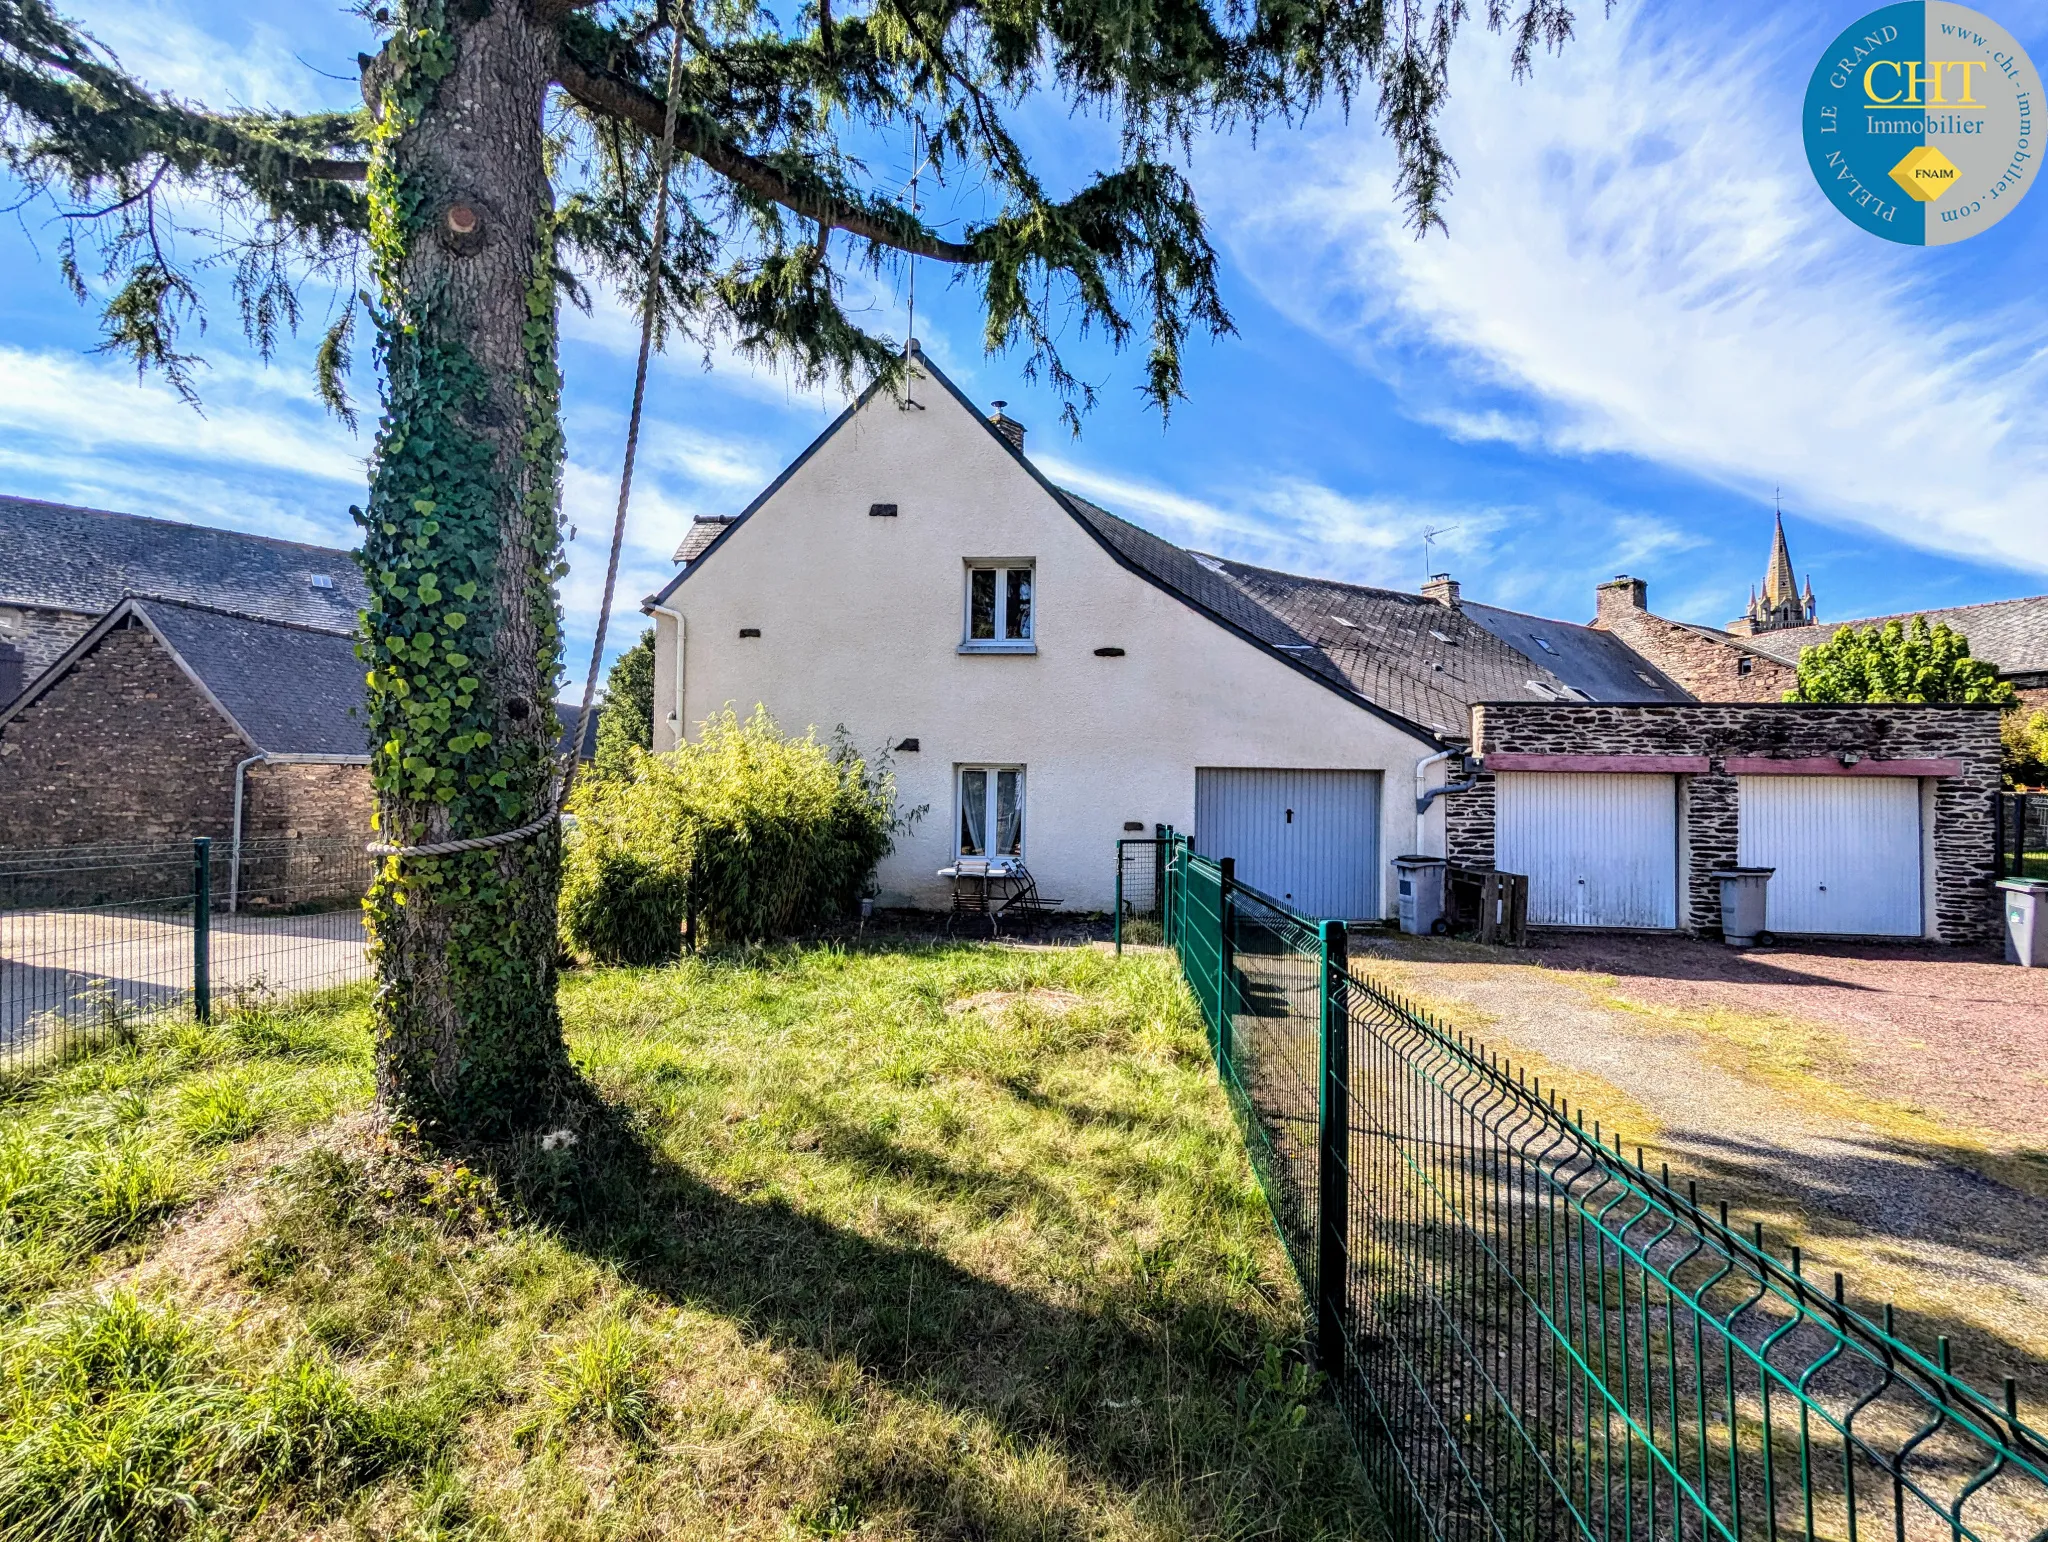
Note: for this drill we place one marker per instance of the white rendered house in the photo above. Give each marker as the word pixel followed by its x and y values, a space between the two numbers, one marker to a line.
pixel 1051 678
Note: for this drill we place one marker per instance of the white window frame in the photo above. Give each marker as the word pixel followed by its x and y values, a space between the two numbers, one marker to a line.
pixel 1002 567
pixel 989 806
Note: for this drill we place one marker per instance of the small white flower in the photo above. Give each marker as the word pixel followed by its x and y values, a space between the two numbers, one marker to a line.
pixel 554 1140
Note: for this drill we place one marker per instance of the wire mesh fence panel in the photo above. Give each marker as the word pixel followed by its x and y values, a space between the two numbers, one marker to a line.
pixel 288 915
pixel 1272 1056
pixel 2022 828
pixel 1140 891
pixel 91 938
pixel 1535 1337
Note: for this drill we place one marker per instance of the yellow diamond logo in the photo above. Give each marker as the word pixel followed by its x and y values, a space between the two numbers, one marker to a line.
pixel 1925 173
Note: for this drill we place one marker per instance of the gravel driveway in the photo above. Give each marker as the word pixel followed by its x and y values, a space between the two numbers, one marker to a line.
pixel 1884 1107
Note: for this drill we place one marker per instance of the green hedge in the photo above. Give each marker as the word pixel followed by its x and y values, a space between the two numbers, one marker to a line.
pixel 754 833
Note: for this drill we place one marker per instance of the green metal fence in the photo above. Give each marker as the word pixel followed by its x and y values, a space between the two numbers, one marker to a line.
pixel 1532 1335
pixel 93 936
pixel 2020 823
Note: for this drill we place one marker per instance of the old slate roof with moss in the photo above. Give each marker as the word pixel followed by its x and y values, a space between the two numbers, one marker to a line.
pixel 63 558
pixel 293 690
pixel 2012 634
pixel 1428 662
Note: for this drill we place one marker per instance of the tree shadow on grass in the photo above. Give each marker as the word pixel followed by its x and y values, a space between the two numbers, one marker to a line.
pixel 1156 1389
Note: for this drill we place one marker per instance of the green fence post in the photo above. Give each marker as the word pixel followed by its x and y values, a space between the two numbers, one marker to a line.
pixel 1117 926
pixel 202 919
pixel 1226 1048
pixel 1333 1210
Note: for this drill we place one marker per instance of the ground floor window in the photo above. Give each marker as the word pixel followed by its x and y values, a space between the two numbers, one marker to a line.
pixel 991 802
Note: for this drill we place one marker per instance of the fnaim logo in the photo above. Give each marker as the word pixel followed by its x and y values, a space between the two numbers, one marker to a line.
pixel 1919 122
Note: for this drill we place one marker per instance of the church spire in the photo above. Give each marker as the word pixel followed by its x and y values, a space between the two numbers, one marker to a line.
pixel 1780 587
pixel 1780 604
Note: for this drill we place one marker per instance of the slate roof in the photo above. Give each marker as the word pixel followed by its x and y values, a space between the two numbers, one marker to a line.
pixel 65 558
pixel 704 529
pixel 1429 663
pixel 2013 634
pixel 290 689
pixel 566 714
pixel 1597 664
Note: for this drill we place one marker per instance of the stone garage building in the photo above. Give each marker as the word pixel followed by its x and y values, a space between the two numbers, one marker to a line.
pixel 1877 819
pixel 167 720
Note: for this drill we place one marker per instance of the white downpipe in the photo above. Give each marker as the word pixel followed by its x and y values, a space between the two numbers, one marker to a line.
pixel 235 848
pixel 681 666
pixel 241 776
pixel 1422 800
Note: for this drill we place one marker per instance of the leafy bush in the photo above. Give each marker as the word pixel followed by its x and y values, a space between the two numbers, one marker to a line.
pixel 754 833
pixel 1898 663
pixel 2025 738
pixel 620 908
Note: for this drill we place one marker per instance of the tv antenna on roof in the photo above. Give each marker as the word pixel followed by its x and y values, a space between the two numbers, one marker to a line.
pixel 1429 535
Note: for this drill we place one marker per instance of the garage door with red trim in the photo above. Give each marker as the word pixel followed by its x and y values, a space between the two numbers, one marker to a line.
pixel 1599 850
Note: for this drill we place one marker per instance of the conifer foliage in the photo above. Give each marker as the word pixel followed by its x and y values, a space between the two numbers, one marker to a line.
pixel 505 156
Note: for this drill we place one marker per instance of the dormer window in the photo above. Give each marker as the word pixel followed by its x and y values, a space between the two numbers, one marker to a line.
pixel 1002 607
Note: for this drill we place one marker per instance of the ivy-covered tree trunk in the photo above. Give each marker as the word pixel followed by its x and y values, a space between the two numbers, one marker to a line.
pixel 462 545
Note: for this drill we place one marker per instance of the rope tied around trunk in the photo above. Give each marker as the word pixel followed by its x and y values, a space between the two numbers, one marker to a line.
pixel 565 777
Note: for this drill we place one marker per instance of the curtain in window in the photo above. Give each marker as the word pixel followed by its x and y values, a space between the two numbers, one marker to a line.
pixel 1010 813
pixel 973 813
pixel 981 605
pixel 1017 610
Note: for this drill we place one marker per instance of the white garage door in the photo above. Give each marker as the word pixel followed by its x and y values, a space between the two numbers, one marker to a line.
pixel 1846 850
pixel 1308 838
pixel 1599 850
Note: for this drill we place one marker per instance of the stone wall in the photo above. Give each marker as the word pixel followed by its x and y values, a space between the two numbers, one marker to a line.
pixel 41 635
pixel 123 748
pixel 126 749
pixel 1964 900
pixel 306 801
pixel 1710 668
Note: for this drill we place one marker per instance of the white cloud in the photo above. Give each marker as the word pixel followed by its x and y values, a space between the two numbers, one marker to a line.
pixel 253 65
pixel 1293 525
pixel 60 406
pixel 1648 263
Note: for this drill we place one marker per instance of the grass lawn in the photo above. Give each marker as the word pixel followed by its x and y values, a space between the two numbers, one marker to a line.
pixel 954 1242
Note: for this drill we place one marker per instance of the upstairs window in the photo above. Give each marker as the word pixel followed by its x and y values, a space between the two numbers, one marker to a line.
pixel 1744 664
pixel 992 812
pixel 1001 608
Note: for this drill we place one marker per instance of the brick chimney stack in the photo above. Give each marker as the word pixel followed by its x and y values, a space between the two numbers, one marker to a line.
pixel 1008 427
pixel 1619 598
pixel 1442 588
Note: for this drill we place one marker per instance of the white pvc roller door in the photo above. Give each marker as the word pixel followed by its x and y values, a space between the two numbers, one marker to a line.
pixel 1598 849
pixel 1846 850
pixel 1308 838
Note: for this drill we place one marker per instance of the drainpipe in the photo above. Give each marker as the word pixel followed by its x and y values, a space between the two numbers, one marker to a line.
pixel 264 757
pixel 1426 795
pixel 235 848
pixel 682 658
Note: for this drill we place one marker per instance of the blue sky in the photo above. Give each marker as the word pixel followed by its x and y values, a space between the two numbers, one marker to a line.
pixel 1643 320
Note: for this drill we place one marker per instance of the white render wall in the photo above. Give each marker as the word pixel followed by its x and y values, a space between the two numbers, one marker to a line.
pixel 861 621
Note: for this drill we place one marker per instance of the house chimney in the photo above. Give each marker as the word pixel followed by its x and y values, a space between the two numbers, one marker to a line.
pixel 1442 588
pixel 1008 427
pixel 1620 596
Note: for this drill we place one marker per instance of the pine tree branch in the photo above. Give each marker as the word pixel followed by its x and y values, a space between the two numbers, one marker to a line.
pixel 600 91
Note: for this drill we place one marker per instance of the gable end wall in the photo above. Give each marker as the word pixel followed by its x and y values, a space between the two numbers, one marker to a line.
pixel 123 748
